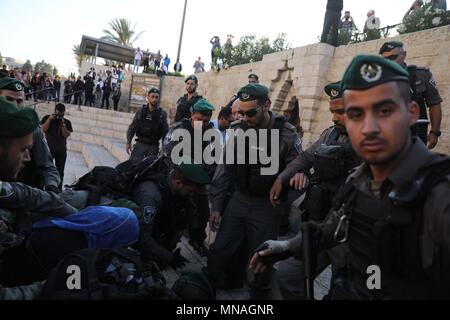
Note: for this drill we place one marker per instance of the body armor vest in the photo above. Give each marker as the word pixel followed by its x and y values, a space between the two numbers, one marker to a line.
pixel 386 233
pixel 247 176
pixel 421 129
pixel 333 161
pixel 149 128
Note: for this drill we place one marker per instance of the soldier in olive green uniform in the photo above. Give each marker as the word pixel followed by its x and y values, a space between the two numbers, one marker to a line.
pixel 150 126
pixel 40 172
pixel 16 128
pixel 254 211
pixel 201 113
pixel 394 209
pixel 332 158
pixel 425 93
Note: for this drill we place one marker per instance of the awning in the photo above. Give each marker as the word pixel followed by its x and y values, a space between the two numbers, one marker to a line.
pixel 107 50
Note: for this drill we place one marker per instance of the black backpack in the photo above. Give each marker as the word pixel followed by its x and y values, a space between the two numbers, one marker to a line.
pixel 117 183
pixel 105 274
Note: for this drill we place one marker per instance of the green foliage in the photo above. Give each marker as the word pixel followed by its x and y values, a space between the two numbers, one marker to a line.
pixel 78 55
pixel 426 17
pixel 27 67
pixel 121 32
pixel 1 58
pixel 43 67
pixel 250 49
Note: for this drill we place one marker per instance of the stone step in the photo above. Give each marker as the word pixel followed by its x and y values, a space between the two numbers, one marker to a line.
pixel 99 131
pixel 117 148
pixel 76 167
pixel 92 138
pixel 99 124
pixel 49 108
pixel 94 155
pixel 89 114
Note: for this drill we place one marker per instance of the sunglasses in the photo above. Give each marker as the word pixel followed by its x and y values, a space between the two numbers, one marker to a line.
pixel 250 113
pixel 392 57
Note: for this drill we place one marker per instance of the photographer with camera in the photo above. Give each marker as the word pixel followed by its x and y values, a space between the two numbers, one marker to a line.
pixel 57 129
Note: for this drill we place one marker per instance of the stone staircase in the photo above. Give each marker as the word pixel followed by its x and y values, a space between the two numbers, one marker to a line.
pixel 98 138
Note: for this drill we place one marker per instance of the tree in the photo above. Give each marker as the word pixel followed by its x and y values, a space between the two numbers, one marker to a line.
pixel 27 67
pixel 121 32
pixel 78 55
pixel 42 67
pixel 249 49
pixel 1 58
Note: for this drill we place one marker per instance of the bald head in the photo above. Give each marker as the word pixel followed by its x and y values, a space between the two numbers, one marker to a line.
pixel 235 109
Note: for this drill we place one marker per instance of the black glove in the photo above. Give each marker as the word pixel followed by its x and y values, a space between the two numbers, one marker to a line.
pixel 178 261
pixel 52 189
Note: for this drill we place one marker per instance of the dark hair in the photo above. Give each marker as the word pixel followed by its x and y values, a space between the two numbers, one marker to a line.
pixel 5 143
pixel 60 107
pixel 225 113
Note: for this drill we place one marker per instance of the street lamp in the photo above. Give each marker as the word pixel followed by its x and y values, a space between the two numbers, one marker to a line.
pixel 181 34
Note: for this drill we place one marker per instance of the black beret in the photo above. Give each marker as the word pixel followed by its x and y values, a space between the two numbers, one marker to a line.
pixel 12 84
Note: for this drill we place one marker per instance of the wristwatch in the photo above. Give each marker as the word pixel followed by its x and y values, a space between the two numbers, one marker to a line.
pixel 436 133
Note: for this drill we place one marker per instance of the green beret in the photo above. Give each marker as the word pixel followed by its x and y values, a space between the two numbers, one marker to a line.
pixel 366 71
pixel 12 84
pixel 194 173
pixel 153 90
pixel 333 90
pixel 203 106
pixel 252 92
pixel 192 77
pixel 15 123
pixel 388 46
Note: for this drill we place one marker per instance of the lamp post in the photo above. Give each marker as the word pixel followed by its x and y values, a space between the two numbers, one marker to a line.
pixel 182 31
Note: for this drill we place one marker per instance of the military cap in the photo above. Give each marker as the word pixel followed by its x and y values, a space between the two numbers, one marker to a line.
pixel 366 71
pixel 12 84
pixel 388 46
pixel 193 172
pixel 203 106
pixel 252 75
pixel 191 77
pixel 253 92
pixel 153 90
pixel 333 90
pixel 15 123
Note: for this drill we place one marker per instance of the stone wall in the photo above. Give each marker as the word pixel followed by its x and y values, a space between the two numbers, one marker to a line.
pixel 300 74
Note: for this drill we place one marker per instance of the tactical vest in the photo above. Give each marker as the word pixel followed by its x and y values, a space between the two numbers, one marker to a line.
pixel 333 161
pixel 184 107
pixel 386 233
pixel 419 130
pixel 247 177
pixel 149 129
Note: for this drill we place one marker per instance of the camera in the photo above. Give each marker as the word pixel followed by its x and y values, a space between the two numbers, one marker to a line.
pixel 58 117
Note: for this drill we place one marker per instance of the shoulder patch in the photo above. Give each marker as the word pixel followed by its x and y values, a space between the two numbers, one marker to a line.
pixel 149 214
pixel 433 83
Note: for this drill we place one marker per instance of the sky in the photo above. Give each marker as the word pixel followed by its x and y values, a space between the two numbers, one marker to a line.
pixel 48 29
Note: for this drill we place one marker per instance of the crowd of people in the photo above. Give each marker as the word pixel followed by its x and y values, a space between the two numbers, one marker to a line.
pixel 153 63
pixel 369 194
pixel 337 26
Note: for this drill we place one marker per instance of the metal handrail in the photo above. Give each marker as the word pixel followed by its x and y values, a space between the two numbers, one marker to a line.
pixel 48 101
